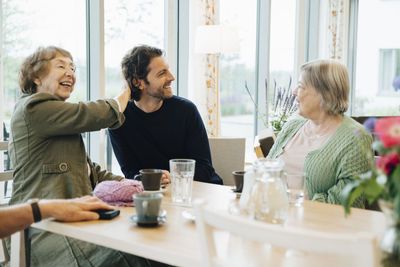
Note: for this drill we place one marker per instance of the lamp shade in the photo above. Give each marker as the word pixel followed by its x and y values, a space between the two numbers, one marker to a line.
pixel 213 39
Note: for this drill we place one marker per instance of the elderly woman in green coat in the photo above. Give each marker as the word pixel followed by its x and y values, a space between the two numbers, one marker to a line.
pixel 48 154
pixel 330 147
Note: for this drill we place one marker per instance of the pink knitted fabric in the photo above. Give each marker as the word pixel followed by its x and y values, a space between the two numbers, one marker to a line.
pixel 118 193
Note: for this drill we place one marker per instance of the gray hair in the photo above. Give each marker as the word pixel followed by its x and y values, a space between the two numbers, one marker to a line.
pixel 331 80
pixel 37 65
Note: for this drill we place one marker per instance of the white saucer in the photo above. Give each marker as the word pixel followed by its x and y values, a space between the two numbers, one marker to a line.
pixel 162 190
pixel 160 220
pixel 188 215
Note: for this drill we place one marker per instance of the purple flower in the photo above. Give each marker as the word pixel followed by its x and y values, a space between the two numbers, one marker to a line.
pixel 396 83
pixel 266 87
pixel 369 124
pixel 248 91
pixel 292 98
pixel 282 104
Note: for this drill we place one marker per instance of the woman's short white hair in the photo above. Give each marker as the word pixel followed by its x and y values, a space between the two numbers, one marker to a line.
pixel 331 80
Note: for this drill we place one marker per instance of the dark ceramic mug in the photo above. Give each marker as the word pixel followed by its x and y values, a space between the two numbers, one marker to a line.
pixel 151 178
pixel 238 178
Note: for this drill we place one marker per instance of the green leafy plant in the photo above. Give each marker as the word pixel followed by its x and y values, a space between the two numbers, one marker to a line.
pixel 383 181
pixel 382 184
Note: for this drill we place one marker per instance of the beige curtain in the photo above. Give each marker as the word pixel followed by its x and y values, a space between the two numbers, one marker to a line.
pixel 209 106
pixel 338 21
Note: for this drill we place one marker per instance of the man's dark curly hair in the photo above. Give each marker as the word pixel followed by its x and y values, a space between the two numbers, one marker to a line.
pixel 135 66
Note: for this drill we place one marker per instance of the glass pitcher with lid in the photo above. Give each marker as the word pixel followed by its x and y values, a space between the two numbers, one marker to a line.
pixel 268 198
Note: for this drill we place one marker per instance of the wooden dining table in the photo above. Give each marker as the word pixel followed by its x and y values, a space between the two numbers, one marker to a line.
pixel 176 242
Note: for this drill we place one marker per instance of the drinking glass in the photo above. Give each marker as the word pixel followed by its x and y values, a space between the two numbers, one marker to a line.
pixel 296 188
pixel 182 173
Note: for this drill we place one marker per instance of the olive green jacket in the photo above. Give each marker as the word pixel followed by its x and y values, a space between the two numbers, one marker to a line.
pixel 49 161
pixel 46 148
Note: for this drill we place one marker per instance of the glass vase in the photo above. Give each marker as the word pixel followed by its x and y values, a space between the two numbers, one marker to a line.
pixel 390 242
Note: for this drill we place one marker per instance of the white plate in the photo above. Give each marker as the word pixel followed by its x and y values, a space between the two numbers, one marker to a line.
pixel 188 215
pixel 162 190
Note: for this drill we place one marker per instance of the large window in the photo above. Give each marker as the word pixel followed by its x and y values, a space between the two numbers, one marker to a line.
pixel 27 25
pixel 377 61
pixel 282 42
pixel 250 65
pixel 127 24
pixel 282 53
pixel 237 109
pixel 389 71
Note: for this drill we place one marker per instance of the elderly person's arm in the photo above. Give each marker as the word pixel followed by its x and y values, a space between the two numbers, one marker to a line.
pixel 49 117
pixel 19 217
pixel 357 159
pixel 100 175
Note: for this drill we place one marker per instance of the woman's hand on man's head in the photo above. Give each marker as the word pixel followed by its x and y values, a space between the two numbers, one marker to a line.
pixel 123 97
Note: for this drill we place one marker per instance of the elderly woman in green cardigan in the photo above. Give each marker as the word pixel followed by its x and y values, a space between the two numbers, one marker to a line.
pixel 48 153
pixel 326 145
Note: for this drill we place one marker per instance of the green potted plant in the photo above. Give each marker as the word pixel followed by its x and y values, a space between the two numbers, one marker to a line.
pixel 382 184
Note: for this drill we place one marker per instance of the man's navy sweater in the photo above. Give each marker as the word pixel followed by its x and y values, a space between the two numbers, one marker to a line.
pixel 150 140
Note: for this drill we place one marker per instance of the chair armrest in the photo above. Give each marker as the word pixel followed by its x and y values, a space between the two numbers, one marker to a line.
pixel 257 148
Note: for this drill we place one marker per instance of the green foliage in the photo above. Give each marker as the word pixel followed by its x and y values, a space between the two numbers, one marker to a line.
pixel 14 27
pixel 376 184
pixel 10 84
pixel 235 101
pixel 365 183
pixel 278 123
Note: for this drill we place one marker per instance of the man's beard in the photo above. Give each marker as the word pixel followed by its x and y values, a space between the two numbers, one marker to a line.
pixel 160 94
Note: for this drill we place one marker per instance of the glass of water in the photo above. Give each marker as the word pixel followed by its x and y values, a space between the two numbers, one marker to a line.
pixel 296 188
pixel 182 173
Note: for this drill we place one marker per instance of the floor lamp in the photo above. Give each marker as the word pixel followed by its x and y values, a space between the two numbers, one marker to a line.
pixel 214 40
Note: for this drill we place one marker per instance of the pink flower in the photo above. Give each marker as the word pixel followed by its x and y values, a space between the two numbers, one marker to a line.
pixel 388 130
pixel 388 163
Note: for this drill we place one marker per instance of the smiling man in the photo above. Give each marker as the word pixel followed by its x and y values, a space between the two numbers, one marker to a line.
pixel 159 126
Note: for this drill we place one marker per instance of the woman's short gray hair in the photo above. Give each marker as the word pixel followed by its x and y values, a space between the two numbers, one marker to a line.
pixel 37 65
pixel 331 80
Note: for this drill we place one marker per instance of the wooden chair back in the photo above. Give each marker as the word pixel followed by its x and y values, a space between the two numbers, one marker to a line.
pixel 227 155
pixel 263 142
pixel 18 256
pixel 4 176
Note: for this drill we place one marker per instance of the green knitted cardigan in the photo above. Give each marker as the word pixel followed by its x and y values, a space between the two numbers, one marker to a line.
pixel 345 155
